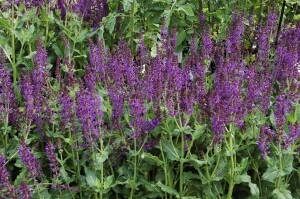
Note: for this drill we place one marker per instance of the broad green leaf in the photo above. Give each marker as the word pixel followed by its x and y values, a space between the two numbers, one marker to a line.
pixel 172 153
pixel 167 189
pixel 110 23
pixel 253 189
pixel 152 157
pixel 127 5
pixel 187 9
pixel 242 178
pixel 92 180
pixel 271 174
pixel 287 161
pixel 5 24
pixel 108 181
pixel 282 193
pixel 199 130
pixel 100 158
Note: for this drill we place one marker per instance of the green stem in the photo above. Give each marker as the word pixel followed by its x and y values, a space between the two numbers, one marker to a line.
pixel 165 168
pixel 134 169
pixel 232 167
pixel 181 165
pixel 278 180
pixel 132 26
pixel 280 22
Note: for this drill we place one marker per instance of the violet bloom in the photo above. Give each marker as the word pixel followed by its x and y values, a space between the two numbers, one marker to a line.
pixel 61 5
pixel 265 138
pixel 40 78
pixel 27 92
pixel 4 179
pixel 30 161
pixel 89 114
pixel 291 136
pixel 92 10
pixel 25 191
pixel 227 95
pixel 282 106
pixel 67 111
pixel 263 71
pixel 54 165
pixel 137 111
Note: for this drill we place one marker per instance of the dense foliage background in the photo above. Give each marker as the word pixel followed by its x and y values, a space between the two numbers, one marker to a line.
pixel 149 99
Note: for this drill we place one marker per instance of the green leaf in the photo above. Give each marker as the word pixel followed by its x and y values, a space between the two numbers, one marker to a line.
pixel 108 181
pixel 287 166
pixel 127 5
pixel 92 180
pixel 253 189
pixel 199 130
pixel 167 189
pixel 282 193
pixel 187 9
pixel 168 15
pixel 65 175
pixel 152 157
pixel 100 158
pixel 181 37
pixel 271 174
pixel 5 24
pixel 272 118
pixel 110 23
pixel 242 178
pixel 171 152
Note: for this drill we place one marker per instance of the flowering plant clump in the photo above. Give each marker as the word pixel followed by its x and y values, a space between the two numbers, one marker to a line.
pixel 181 107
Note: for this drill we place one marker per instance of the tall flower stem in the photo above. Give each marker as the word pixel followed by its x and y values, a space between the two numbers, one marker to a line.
pixel 232 164
pixel 181 165
pixel 13 53
pixel 134 168
pixel 280 22
pixel 132 26
pixel 278 180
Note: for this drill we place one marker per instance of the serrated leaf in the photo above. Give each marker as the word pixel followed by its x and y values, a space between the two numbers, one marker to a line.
pixel 199 130
pixel 271 174
pixel 242 178
pixel 167 189
pixel 171 152
pixel 5 24
pixel 282 194
pixel 108 181
pixel 110 23
pixel 92 180
pixel 152 157
pixel 253 189
pixel 127 5
pixel 187 9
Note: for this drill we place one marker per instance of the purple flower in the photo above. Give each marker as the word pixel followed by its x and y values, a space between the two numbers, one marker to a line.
pixel 67 110
pixel 227 95
pixel 61 5
pixel 54 165
pixel 282 106
pixel 265 137
pixel 25 191
pixel 137 112
pixel 40 78
pixel 291 136
pixel 4 179
pixel 30 161
pixel 89 114
pixel 27 92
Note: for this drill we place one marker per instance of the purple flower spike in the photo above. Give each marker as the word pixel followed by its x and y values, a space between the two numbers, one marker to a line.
pixel 25 191
pixel 30 161
pixel 54 165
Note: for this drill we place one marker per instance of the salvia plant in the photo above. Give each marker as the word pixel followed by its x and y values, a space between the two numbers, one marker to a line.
pixel 149 99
